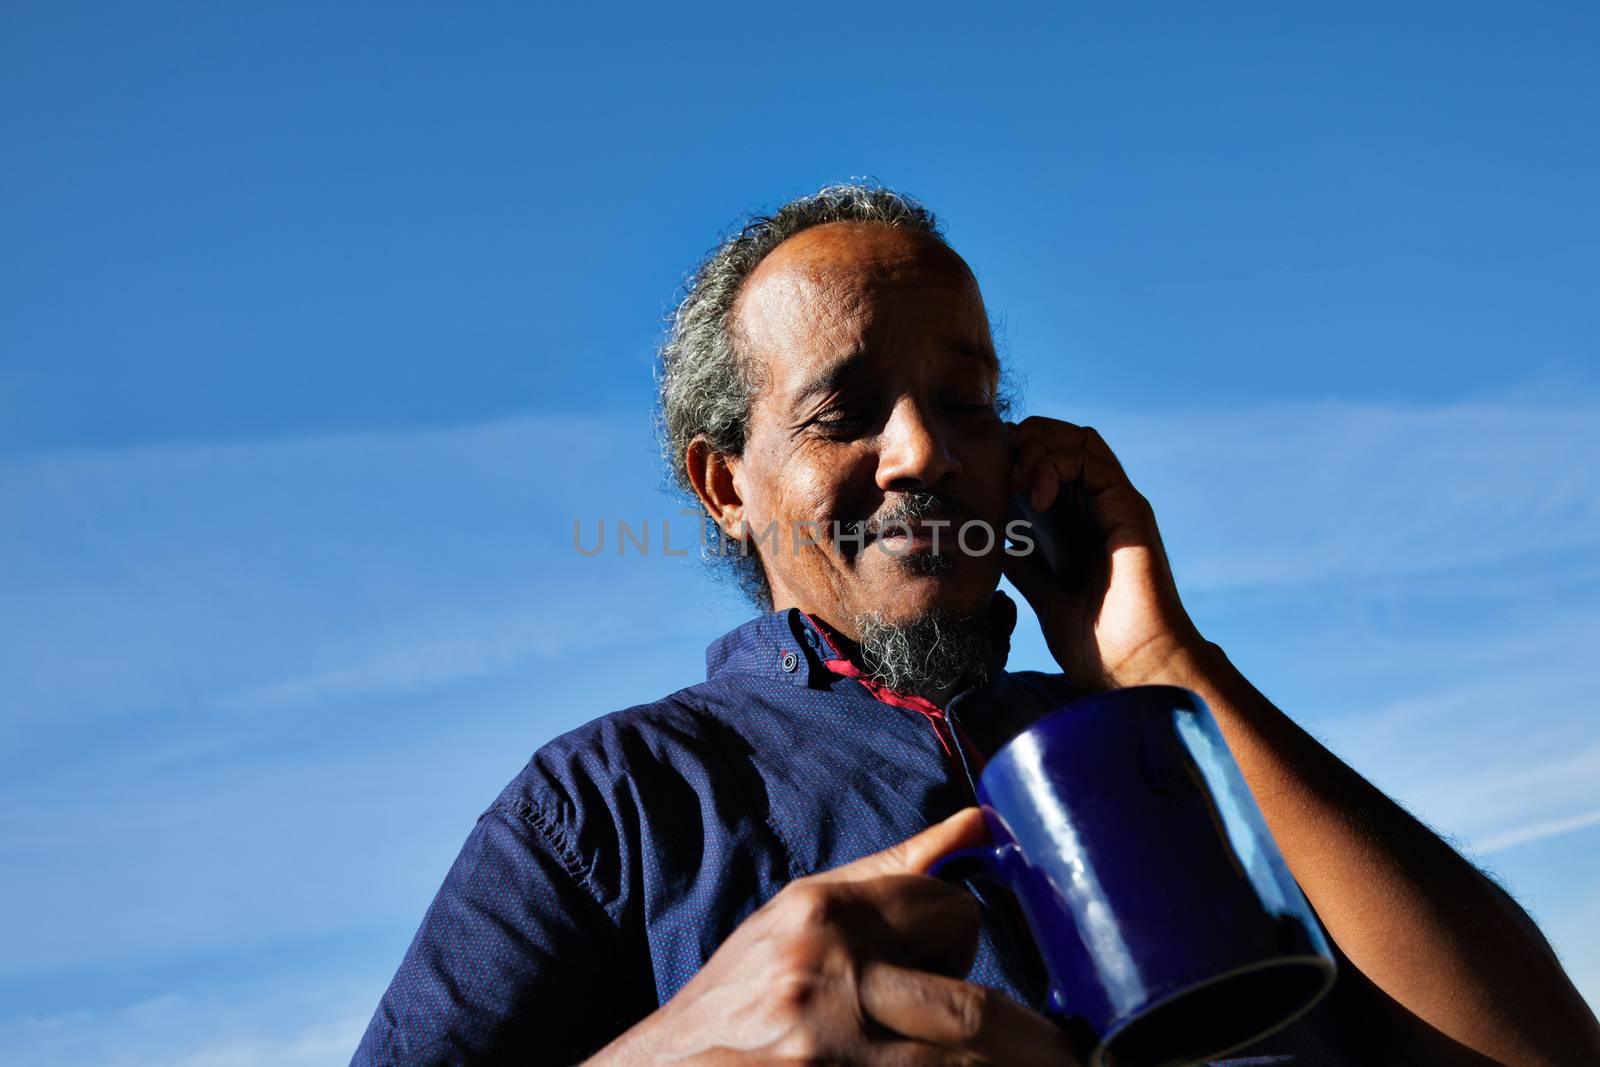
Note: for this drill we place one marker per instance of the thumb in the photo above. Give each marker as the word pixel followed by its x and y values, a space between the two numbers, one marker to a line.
pixel 1032 578
pixel 917 853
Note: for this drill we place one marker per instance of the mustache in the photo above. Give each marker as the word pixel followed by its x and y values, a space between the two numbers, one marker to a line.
pixel 908 507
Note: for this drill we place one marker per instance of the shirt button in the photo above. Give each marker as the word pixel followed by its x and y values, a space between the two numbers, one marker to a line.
pixel 790 662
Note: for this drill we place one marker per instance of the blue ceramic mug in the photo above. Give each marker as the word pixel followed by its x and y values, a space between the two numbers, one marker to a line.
pixel 1169 925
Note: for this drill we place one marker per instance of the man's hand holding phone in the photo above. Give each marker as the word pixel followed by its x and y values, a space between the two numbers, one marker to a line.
pixel 1114 619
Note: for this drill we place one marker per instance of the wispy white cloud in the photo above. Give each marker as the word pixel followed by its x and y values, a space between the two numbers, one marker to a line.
pixel 382 626
pixel 205 1026
pixel 1538 831
pixel 455 647
pixel 238 573
pixel 1297 494
pixel 1494 752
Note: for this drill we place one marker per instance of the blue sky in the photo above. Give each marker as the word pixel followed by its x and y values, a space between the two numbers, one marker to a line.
pixel 319 329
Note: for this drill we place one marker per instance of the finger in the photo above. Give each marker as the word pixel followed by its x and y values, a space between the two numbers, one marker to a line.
pixel 917 853
pixel 1057 435
pixel 1025 457
pixel 1002 611
pixel 883 1052
pixel 959 1015
pixel 1042 490
pixel 1120 512
pixel 898 1052
pixel 1091 471
pixel 1052 433
pixel 1054 469
pixel 916 921
pixel 1032 578
pixel 1097 446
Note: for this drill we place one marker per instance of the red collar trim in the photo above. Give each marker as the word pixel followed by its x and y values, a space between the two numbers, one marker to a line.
pixel 838 664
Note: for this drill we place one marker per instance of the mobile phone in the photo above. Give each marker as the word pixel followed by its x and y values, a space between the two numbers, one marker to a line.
pixel 1065 537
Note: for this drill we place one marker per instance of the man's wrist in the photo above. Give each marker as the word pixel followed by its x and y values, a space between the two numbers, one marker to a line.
pixel 1192 663
pixel 636 1045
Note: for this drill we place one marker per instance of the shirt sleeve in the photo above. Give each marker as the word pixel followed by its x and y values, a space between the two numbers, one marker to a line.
pixel 516 960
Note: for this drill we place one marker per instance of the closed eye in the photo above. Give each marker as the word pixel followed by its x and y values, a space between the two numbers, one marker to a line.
pixel 839 424
pixel 972 408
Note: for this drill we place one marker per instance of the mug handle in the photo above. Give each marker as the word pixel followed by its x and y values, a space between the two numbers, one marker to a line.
pixel 993 863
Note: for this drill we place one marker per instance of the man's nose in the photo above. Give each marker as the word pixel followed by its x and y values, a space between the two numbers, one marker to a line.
pixel 916 451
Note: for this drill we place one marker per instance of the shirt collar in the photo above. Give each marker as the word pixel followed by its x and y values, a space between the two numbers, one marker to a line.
pixel 779 645
pixel 789 645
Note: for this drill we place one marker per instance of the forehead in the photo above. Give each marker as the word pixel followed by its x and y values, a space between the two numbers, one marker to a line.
pixel 860 249
pixel 830 285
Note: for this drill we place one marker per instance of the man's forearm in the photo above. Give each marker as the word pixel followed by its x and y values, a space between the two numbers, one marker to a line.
pixel 1419 921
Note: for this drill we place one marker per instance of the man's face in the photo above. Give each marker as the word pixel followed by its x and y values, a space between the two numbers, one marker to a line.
pixel 879 388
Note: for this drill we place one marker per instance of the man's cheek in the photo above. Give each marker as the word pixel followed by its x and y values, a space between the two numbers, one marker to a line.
pixel 808 494
pixel 990 492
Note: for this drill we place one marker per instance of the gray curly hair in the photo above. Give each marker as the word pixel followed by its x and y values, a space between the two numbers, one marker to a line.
pixel 705 386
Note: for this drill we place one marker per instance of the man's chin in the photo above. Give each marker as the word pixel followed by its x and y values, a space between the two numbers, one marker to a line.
pixel 906 589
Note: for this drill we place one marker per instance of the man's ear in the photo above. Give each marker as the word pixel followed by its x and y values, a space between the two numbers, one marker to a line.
pixel 712 474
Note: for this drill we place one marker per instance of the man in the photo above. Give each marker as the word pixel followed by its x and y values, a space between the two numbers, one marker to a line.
pixel 734 873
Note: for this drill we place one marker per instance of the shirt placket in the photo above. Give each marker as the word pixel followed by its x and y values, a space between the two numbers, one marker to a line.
pixel 961 754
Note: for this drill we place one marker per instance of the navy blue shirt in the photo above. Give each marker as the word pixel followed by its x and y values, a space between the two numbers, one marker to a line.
pixel 605 875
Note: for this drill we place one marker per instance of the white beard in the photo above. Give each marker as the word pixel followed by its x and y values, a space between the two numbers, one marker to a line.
pixel 927 655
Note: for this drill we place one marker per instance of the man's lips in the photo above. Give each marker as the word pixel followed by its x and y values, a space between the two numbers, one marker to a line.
pixel 916 533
